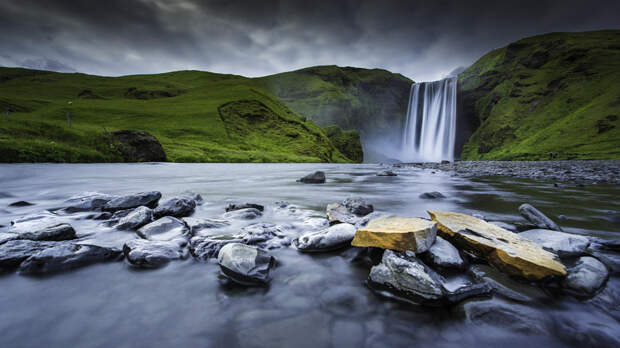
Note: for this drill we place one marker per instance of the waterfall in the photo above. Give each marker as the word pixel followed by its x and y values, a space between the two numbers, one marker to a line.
pixel 430 127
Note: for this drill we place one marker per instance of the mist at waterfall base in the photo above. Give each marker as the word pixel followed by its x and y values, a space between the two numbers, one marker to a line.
pixel 429 130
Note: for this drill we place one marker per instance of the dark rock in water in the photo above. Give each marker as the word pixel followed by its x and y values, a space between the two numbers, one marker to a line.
pixel 504 285
pixel 508 316
pixel 537 218
pixel 386 173
pixel 609 258
pixel 560 243
pixel 239 206
pixel 205 248
pixel 445 162
pixel 505 225
pixel 196 225
pixel 87 201
pixel 432 195
pixel 331 238
pixel 264 235
pixel 605 244
pixel 148 199
pixel 586 277
pixel 136 218
pixel 177 207
pixel 358 206
pixel 52 233
pixel 138 146
pixel 317 177
pixel 351 210
pixel 585 330
pixel 100 216
pixel 13 252
pixel 65 256
pixel 152 254
pixel 245 264
pixel 442 254
pixel 243 214
pixel 43 226
pixel 166 228
pixel 20 204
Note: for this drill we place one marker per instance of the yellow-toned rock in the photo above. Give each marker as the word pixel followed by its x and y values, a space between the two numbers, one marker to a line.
pixel 505 250
pixel 397 233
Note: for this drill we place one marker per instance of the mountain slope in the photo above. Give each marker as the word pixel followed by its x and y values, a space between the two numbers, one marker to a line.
pixel 556 93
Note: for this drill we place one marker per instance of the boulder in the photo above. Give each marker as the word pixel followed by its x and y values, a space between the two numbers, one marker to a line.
pixel 585 277
pixel 238 206
pixel 136 218
pixel 506 286
pixel 317 177
pixel 432 195
pixel 503 249
pixel 138 146
pixel 243 214
pixel 442 254
pixel 331 238
pixel 148 199
pixel 511 317
pixel 42 226
pixel 66 256
pixel 87 201
pixel 386 173
pixel 245 264
pixel 152 254
pixel 560 243
pixel 205 248
pixel 196 225
pixel 264 235
pixel 13 252
pixel 166 228
pixel 397 233
pixel 537 218
pixel 177 207
pixel 351 210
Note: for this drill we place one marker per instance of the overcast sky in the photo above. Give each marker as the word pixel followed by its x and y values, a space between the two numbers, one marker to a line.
pixel 423 40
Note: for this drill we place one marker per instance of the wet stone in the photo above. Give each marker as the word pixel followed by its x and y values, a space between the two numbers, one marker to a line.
pixel 331 238
pixel 560 243
pixel 196 225
pixel 317 177
pixel 166 228
pixel 397 233
pixel 351 211
pixel 176 207
pixel 87 201
pixel 66 256
pixel 506 286
pixel 245 264
pixel 205 248
pixel 42 227
pixel 585 277
pixel 153 254
pixel 13 252
pixel 537 218
pixel 135 219
pixel 442 254
pixel 148 199
pixel 238 206
pixel 432 195
pixel 243 214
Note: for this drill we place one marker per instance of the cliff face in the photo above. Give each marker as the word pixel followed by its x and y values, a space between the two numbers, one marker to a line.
pixel 557 93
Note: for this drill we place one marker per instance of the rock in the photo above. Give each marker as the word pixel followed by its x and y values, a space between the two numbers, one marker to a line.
pixel 205 248
pixel 138 146
pixel 504 285
pixel 432 195
pixel 66 256
pixel 582 329
pixel 87 201
pixel 148 199
pixel 196 225
pixel 239 206
pixel 177 207
pixel 243 214
pixel 351 210
pixel 503 249
pixel 264 235
pixel 537 218
pixel 42 227
pixel 136 218
pixel 166 228
pixel 317 177
pixel 20 204
pixel 397 233
pixel 442 254
pixel 610 259
pixel 331 238
pixel 386 173
pixel 245 264
pixel 507 316
pixel 586 277
pixel 152 254
pixel 505 225
pixel 13 252
pixel 559 243
pixel 608 300
pixel 605 244
pixel 5 237
pixel 358 206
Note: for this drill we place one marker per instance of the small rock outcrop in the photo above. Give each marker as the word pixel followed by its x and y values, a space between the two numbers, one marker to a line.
pixel 317 177
pixel 148 199
pixel 166 228
pixel 135 219
pixel 432 195
pixel 66 256
pixel 138 146
pixel 153 254
pixel 537 218
pixel 331 238
pixel 586 277
pixel 177 207
pixel 13 252
pixel 442 254
pixel 245 264
pixel 397 233
pixel 87 201
pixel 50 232
pixel 351 210
pixel 560 243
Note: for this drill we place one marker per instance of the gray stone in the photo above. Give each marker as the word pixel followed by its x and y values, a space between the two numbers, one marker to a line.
pixel 432 195
pixel 243 214
pixel 245 264
pixel 537 218
pixel 148 199
pixel 317 177
pixel 42 226
pixel 610 259
pixel 196 225
pixel 5 237
pixel 386 173
pixel 264 235
pixel 444 255
pixel 177 207
pixel 205 248
pixel 136 218
pixel 238 206
pixel 505 225
pixel 507 316
pixel 66 256
pixel 351 211
pixel 13 252
pixel 152 254
pixel 331 238
pixel 166 228
pixel 506 286
pixel 560 243
pixel 586 277
pixel 20 204
pixel 87 201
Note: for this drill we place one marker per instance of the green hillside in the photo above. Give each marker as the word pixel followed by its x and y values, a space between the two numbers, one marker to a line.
pixel 557 93
pixel 197 117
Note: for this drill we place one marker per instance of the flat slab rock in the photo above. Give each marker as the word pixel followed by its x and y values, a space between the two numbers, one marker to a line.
pixel 178 207
pixel 166 228
pixel 560 243
pixel 13 252
pixel 505 250
pixel 66 256
pixel 152 254
pixel 397 233
pixel 331 238
pixel 135 219
pixel 42 226
pixel 148 199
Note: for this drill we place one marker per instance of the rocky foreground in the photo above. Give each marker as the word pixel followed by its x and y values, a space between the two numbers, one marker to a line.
pixel 447 259
pixel 591 172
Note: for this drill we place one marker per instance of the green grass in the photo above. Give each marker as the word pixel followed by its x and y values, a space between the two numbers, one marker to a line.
pixel 558 93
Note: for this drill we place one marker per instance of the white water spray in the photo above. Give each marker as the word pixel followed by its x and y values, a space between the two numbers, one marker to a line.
pixel 430 128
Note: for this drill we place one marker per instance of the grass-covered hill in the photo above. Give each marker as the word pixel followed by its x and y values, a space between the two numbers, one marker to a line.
pixel 196 116
pixel 555 93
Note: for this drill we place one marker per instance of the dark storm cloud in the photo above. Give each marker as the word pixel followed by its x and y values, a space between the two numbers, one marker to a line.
pixel 421 39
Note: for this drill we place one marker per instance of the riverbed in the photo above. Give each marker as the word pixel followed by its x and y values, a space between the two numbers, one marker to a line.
pixel 313 300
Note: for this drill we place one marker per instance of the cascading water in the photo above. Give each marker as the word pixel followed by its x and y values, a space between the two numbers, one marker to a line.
pixel 430 128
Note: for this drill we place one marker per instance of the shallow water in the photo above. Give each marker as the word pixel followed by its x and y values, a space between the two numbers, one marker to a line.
pixel 312 300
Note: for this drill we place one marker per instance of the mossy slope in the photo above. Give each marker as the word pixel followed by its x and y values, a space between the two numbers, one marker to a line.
pixel 555 93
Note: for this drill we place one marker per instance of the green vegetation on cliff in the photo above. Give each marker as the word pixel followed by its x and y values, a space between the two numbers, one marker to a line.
pixel 555 93
pixel 346 141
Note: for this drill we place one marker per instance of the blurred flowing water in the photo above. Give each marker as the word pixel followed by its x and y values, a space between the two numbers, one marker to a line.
pixel 317 300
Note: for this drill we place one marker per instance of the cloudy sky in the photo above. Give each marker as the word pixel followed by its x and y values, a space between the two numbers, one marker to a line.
pixel 423 40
